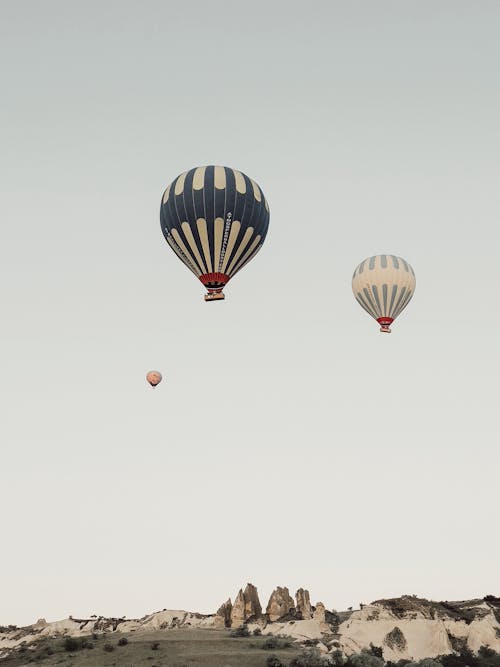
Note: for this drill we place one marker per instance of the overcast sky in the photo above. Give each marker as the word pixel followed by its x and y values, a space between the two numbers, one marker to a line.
pixel 290 443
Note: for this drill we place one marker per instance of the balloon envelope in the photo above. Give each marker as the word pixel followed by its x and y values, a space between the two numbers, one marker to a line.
pixel 154 378
pixel 215 219
pixel 383 285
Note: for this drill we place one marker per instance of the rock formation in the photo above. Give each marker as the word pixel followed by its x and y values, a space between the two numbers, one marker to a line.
pixel 319 612
pixel 303 604
pixel 408 627
pixel 280 604
pixel 223 615
pixel 413 628
pixel 238 610
pixel 246 606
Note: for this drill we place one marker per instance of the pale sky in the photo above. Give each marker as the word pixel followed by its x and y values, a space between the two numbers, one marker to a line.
pixel 290 443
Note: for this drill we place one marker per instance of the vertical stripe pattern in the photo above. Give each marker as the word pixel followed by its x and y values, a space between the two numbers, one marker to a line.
pixel 383 285
pixel 216 220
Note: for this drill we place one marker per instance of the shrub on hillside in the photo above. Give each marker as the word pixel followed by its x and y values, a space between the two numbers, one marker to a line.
pixel 123 641
pixel 242 631
pixel 72 644
pixel 108 648
pixel 274 661
pixel 364 659
pixel 486 652
pixel 271 643
pixel 310 658
pixel 155 646
pixel 377 650
pixel 400 663
pixel 465 659
pixel 425 662
pixel 487 657
pixel 8 628
pixel 257 632
pixel 337 658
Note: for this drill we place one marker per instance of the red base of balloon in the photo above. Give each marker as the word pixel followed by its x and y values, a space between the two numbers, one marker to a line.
pixel 214 282
pixel 214 279
pixel 384 324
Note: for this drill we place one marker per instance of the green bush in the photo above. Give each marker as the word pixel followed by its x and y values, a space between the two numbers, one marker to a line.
pixel 337 657
pixel 486 652
pixel 310 658
pixel 425 662
pixel 465 659
pixel 271 643
pixel 72 644
pixel 108 648
pixel 487 657
pixel 400 663
pixel 7 628
pixel 429 662
pixel 242 631
pixel 365 659
pixel 274 661
pixel 123 641
pixel 377 650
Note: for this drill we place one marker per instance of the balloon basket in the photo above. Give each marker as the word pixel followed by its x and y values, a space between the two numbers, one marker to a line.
pixel 215 296
pixel 385 324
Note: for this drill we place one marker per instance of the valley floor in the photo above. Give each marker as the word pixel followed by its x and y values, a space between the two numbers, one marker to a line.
pixel 176 648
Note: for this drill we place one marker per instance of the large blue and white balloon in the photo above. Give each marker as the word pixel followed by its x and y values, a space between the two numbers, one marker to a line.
pixel 215 219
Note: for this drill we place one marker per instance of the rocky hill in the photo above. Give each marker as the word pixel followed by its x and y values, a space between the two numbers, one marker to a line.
pixel 401 628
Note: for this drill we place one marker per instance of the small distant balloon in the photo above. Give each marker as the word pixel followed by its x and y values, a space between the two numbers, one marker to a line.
pixel 384 285
pixel 154 378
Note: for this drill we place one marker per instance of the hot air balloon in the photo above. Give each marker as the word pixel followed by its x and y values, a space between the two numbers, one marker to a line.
pixel 215 219
pixel 383 285
pixel 154 378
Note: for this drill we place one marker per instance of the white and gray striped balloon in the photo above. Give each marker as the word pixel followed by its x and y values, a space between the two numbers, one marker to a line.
pixel 383 285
